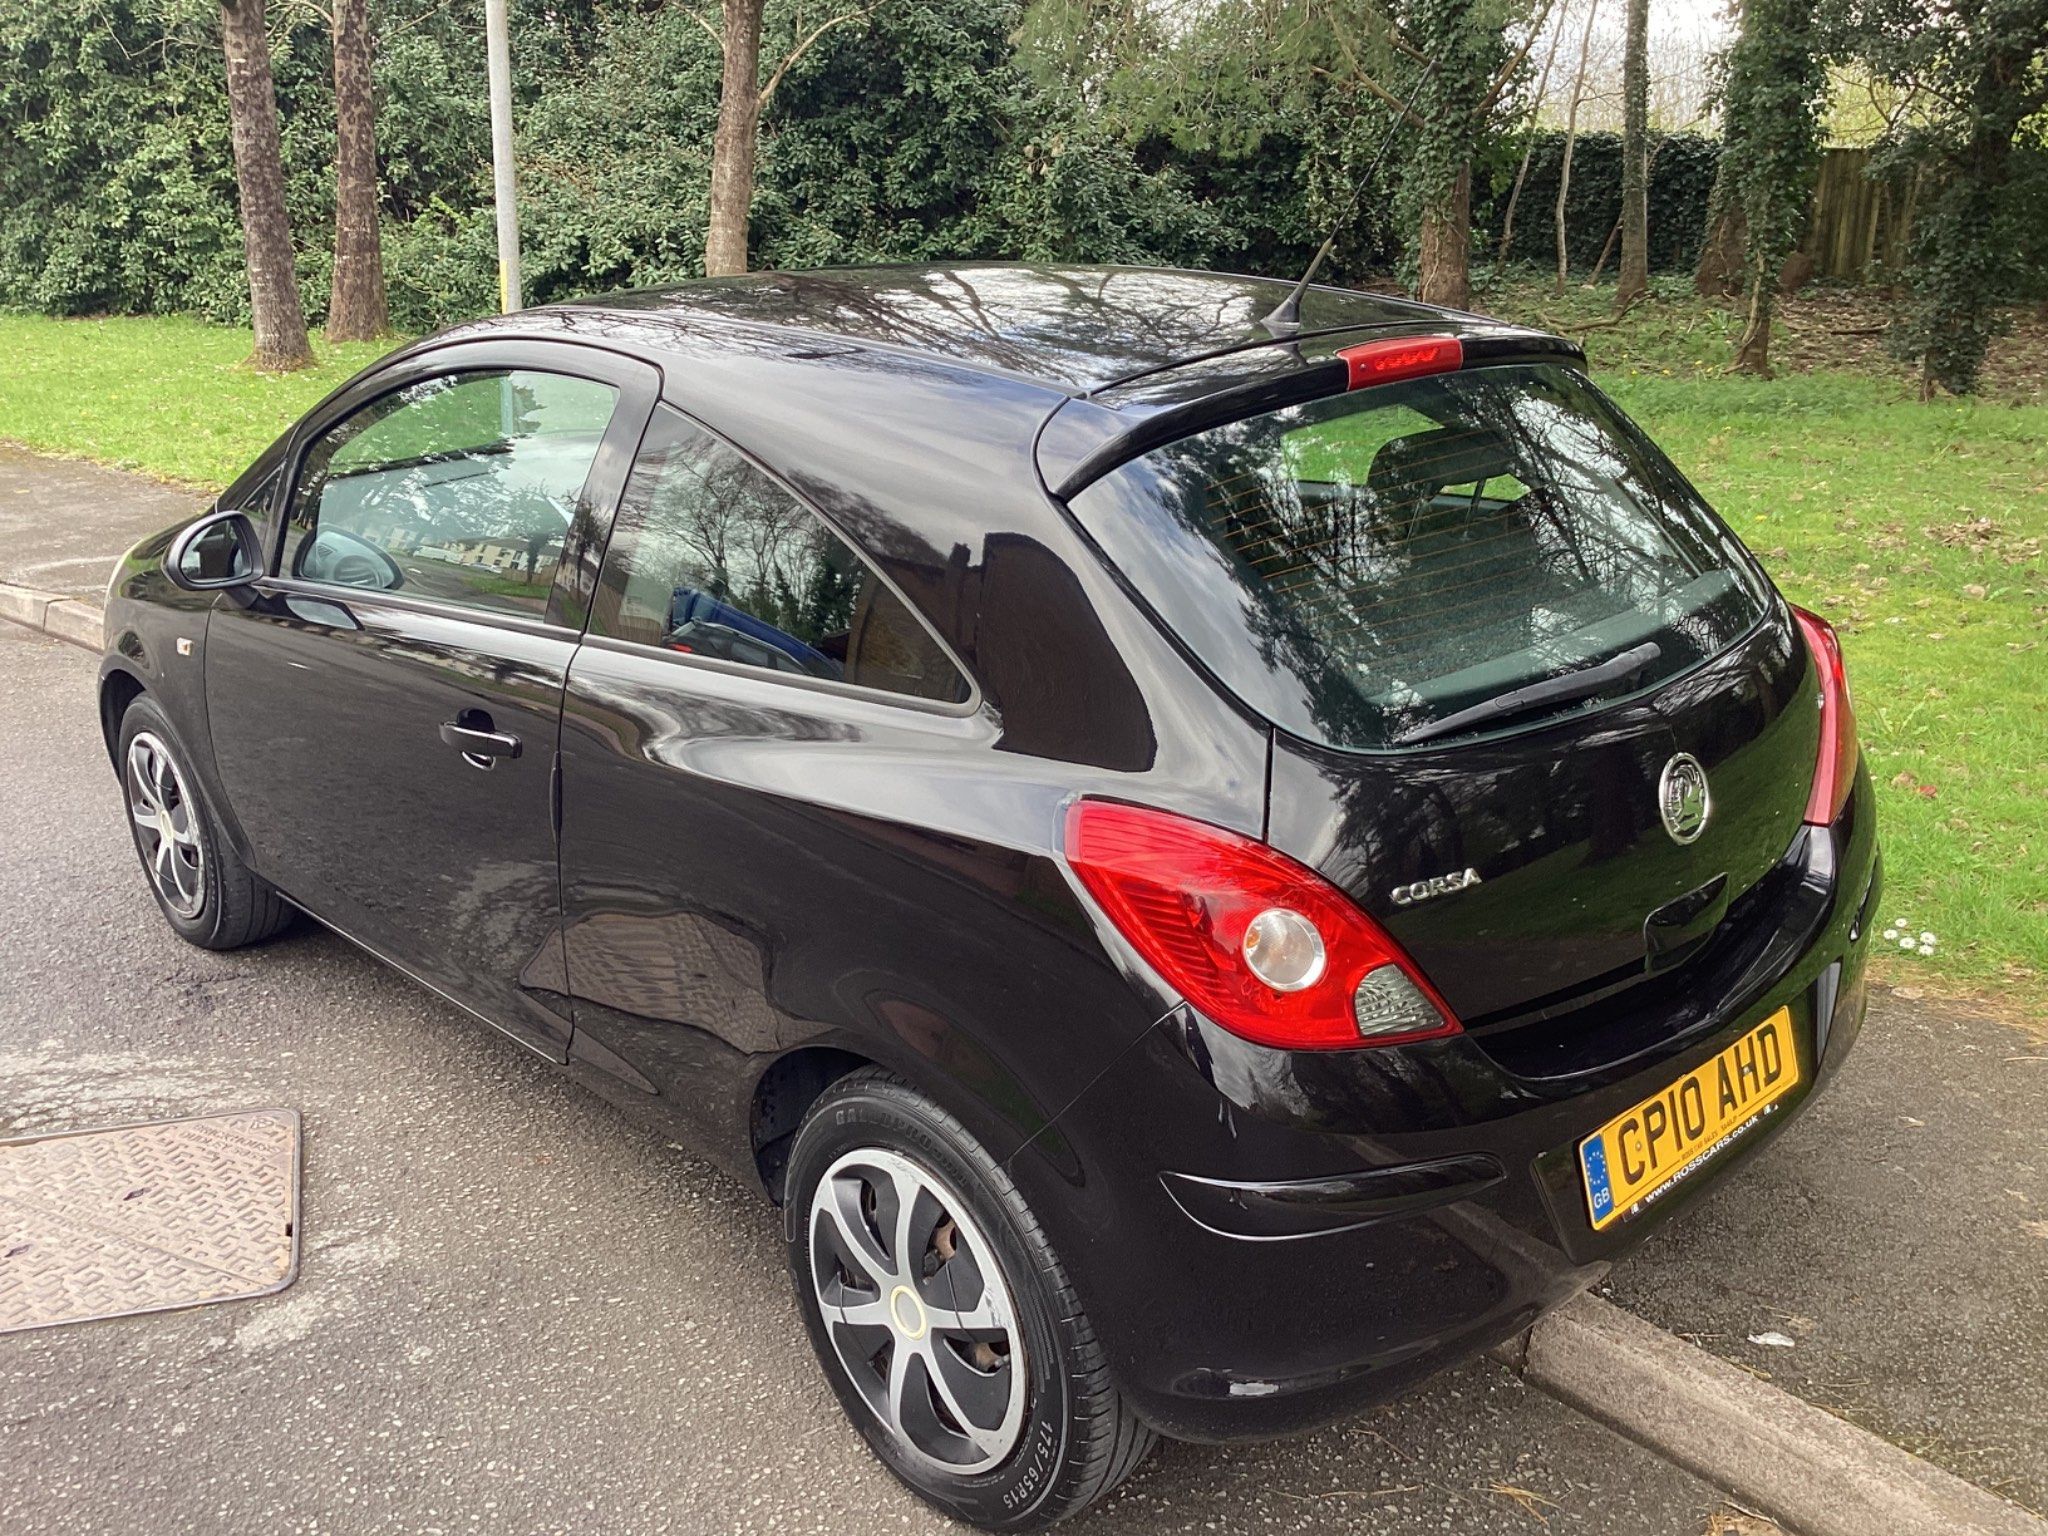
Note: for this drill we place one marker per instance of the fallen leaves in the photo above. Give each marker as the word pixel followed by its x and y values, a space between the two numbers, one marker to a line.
pixel 1905 779
pixel 1986 536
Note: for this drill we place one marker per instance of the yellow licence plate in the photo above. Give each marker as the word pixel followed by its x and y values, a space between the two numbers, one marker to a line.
pixel 1639 1154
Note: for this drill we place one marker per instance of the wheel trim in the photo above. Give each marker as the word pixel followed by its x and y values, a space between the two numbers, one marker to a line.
pixel 166 825
pixel 917 1311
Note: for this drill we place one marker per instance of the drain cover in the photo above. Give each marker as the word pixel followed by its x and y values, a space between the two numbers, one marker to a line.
pixel 143 1218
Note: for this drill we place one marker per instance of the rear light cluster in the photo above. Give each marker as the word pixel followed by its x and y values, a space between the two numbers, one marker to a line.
pixel 1835 774
pixel 1262 945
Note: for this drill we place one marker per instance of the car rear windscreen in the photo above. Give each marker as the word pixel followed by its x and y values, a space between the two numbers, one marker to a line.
pixel 1430 559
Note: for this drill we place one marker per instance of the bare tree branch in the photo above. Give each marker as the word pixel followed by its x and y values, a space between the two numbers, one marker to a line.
pixel 403 27
pixel 1507 226
pixel 803 47
pixel 1402 45
pixel 1608 324
pixel 1507 70
pixel 1408 113
pixel 319 12
pixel 1343 40
pixel 710 31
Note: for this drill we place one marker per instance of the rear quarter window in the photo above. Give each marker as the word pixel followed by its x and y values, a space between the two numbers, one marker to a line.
pixel 714 559
pixel 1367 570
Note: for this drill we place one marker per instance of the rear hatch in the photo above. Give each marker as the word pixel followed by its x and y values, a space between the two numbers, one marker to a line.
pixel 1503 644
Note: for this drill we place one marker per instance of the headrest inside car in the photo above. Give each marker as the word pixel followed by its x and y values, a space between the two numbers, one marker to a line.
pixel 1421 464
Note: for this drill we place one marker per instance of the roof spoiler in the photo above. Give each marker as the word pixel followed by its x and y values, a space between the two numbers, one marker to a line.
pixel 1085 438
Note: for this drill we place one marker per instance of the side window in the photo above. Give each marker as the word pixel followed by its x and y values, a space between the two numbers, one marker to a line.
pixel 712 558
pixel 460 488
pixel 254 503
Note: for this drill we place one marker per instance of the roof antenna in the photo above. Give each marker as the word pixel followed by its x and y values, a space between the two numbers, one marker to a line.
pixel 1285 317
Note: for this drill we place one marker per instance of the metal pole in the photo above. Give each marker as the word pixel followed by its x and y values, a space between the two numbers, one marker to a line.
pixel 505 185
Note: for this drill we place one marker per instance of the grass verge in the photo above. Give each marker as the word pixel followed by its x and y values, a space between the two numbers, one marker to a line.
pixel 1917 528
pixel 166 395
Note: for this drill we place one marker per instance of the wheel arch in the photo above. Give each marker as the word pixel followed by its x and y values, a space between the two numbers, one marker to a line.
pixel 952 1069
pixel 119 688
pixel 783 1096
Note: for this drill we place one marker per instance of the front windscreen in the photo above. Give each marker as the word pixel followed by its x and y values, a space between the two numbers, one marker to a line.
pixel 1428 559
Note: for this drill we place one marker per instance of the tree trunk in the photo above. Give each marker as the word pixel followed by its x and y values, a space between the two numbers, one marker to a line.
pixel 1446 275
pixel 1968 262
pixel 732 150
pixel 1507 223
pixel 1634 279
pixel 280 321
pixel 1571 140
pixel 1753 352
pixel 356 309
pixel 1720 269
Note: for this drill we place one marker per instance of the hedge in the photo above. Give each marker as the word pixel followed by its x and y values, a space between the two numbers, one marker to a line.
pixel 915 136
pixel 1681 178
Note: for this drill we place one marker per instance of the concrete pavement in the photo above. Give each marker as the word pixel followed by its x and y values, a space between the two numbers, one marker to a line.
pixel 515 1312
pixel 64 522
pixel 1810 1468
pixel 1898 1235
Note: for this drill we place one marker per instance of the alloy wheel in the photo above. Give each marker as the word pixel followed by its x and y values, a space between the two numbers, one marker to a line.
pixel 166 825
pixel 917 1310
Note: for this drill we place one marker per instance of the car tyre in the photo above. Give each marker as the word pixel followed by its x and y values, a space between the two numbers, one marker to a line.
pixel 870 1148
pixel 206 893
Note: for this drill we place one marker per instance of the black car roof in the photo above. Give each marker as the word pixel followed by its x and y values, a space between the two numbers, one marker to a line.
pixel 1081 367
pixel 1079 329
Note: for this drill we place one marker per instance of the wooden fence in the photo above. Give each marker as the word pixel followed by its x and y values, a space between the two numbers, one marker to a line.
pixel 1858 227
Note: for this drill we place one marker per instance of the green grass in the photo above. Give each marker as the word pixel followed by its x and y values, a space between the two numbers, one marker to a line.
pixel 168 396
pixel 1917 528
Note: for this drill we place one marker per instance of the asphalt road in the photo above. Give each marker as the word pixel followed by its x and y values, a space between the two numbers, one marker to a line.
pixel 516 1313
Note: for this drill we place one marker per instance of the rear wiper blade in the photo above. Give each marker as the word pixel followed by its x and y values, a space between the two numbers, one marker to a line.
pixel 1551 691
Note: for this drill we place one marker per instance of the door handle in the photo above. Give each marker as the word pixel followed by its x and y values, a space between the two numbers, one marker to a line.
pixel 470 734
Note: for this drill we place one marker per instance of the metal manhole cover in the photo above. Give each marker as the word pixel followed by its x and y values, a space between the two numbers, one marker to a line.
pixel 143 1218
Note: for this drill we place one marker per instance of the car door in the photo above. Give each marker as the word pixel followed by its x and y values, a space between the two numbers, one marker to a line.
pixel 385 706
pixel 746 681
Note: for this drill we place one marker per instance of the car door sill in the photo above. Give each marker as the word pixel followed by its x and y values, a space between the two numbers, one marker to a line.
pixel 547 1055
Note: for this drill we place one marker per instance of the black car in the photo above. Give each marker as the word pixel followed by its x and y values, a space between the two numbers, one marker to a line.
pixel 1215 857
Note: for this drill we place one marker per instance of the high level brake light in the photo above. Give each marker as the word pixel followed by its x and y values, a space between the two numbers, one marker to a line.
pixel 1262 945
pixel 1401 357
pixel 1835 773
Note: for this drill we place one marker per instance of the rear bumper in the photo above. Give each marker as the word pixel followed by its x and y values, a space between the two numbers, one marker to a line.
pixel 1267 1241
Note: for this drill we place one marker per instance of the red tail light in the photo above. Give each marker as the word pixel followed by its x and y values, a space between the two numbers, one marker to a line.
pixel 1401 357
pixel 1835 775
pixel 1262 945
